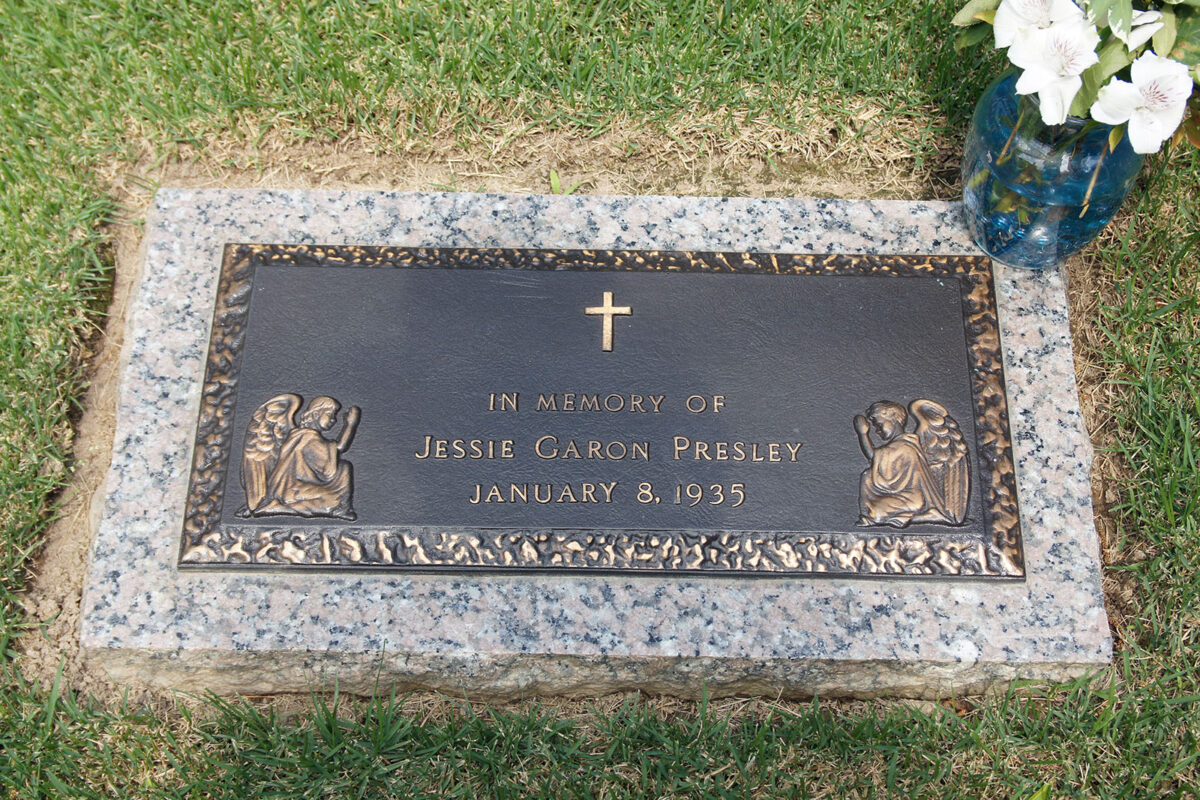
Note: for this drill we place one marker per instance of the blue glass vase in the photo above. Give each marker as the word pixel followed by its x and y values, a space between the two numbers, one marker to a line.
pixel 1034 194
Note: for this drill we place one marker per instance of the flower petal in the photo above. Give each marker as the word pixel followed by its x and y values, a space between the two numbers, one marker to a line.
pixel 1034 79
pixel 1056 99
pixel 1147 133
pixel 1081 34
pixel 1065 11
pixel 1017 17
pixel 1116 102
pixel 1167 118
pixel 1145 17
pixel 1170 76
pixel 1140 35
pixel 1029 49
pixel 1007 22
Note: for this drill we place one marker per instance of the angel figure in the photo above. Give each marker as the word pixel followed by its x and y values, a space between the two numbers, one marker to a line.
pixel 918 476
pixel 289 467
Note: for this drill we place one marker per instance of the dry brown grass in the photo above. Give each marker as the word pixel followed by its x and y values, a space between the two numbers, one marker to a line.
pixel 863 151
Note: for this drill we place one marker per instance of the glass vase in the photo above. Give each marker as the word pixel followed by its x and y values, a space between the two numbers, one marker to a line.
pixel 1034 194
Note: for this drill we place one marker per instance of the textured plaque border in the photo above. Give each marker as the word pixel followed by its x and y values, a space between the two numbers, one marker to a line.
pixel 869 553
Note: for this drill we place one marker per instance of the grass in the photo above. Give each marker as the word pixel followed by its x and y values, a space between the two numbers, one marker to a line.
pixel 90 87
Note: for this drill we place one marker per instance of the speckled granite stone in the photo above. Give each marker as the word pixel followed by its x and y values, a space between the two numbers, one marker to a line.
pixel 146 622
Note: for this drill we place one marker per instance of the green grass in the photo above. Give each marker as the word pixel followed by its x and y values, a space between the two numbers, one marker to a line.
pixel 88 86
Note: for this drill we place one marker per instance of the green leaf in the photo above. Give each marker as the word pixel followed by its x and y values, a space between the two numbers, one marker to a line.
pixel 969 15
pixel 969 37
pixel 978 179
pixel 1120 17
pixel 1113 58
pixel 556 185
pixel 1042 793
pixel 1117 13
pixel 1099 9
pixel 1083 101
pixel 1115 136
pixel 1164 38
pixel 1187 37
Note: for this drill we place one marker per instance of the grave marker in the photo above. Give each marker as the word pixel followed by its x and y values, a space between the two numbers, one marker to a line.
pixel 729 434
pixel 273 453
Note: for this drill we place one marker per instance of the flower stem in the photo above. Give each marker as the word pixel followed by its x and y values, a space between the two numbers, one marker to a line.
pixel 1000 159
pixel 1087 197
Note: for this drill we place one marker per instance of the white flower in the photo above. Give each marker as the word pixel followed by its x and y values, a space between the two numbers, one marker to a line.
pixel 1145 24
pixel 1053 59
pixel 1016 18
pixel 1153 104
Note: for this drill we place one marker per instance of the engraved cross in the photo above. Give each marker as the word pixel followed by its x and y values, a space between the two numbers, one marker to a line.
pixel 608 311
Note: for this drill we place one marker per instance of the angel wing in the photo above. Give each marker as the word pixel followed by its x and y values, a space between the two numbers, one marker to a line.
pixel 945 451
pixel 269 426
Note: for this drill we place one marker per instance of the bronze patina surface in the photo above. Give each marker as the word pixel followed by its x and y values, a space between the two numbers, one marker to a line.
pixel 515 410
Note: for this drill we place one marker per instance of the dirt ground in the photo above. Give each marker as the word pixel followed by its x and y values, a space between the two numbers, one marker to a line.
pixel 604 165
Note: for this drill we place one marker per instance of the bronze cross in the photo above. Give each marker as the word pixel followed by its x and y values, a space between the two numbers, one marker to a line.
pixel 608 311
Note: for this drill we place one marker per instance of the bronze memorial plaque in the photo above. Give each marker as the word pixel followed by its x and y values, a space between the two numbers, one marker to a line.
pixel 591 411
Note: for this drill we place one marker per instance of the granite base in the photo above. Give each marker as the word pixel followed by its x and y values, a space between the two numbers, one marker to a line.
pixel 148 623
